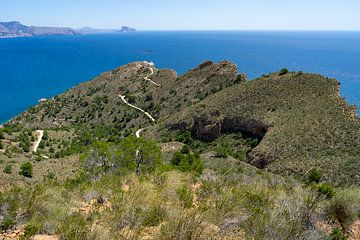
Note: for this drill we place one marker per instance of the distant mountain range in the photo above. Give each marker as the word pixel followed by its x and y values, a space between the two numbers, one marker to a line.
pixel 16 29
pixel 89 30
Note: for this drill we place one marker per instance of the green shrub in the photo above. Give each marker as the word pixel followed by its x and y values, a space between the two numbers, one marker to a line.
pixel 1 145
pixel 25 146
pixel 221 152
pixel 24 141
pixel 314 176
pixel 154 217
pixel 184 137
pixel 131 99
pixel 177 158
pixel 239 154
pixel 327 190
pixel 185 149
pixel 283 71
pixel 8 169
pixel 7 223
pixel 30 230
pixel 26 169
pixel 187 162
pixel 42 145
pixel 132 154
pixel 185 196
pixel 75 227
pixel 337 235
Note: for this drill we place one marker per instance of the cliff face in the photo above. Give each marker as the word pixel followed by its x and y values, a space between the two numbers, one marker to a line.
pixel 16 29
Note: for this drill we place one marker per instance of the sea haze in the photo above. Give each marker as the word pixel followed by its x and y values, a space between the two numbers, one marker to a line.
pixel 41 67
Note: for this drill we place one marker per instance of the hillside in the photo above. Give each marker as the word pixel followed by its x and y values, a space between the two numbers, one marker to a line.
pixel 142 153
pixel 299 120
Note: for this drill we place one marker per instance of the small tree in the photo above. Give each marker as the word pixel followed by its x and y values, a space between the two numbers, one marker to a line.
pixel 26 169
pixel 132 154
pixel 139 154
pixel 283 71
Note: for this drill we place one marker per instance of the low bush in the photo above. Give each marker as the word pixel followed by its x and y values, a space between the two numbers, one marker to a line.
pixel 185 196
pixel 75 227
pixel 221 152
pixel 184 137
pixel 26 169
pixel 187 162
pixel 283 71
pixel 314 176
pixel 185 149
pixel 327 190
pixel 337 235
pixel 8 169
pixel 153 217
pixel 30 230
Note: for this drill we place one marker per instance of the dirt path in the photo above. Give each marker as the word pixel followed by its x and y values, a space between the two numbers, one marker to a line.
pixel 37 143
pixel 137 134
pixel 150 66
pixel 149 80
pixel 137 108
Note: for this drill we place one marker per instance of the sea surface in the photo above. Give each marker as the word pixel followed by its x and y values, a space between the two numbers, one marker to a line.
pixel 41 67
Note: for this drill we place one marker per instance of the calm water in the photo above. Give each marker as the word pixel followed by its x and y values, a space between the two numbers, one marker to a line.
pixel 33 68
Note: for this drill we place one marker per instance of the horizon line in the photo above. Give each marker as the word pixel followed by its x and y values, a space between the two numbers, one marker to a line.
pixel 173 30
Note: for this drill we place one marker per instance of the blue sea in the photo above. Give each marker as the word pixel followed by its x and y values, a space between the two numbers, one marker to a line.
pixel 41 67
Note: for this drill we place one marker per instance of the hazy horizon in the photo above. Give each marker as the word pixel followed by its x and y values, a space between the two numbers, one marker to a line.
pixel 176 15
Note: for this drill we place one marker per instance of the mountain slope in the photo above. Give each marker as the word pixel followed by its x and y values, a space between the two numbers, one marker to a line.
pixel 297 122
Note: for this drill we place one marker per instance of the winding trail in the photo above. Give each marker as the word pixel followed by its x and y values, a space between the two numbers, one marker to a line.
pixel 138 132
pixel 37 143
pixel 137 108
pixel 149 80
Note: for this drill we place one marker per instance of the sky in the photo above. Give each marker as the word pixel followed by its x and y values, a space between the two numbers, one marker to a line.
pixel 187 14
